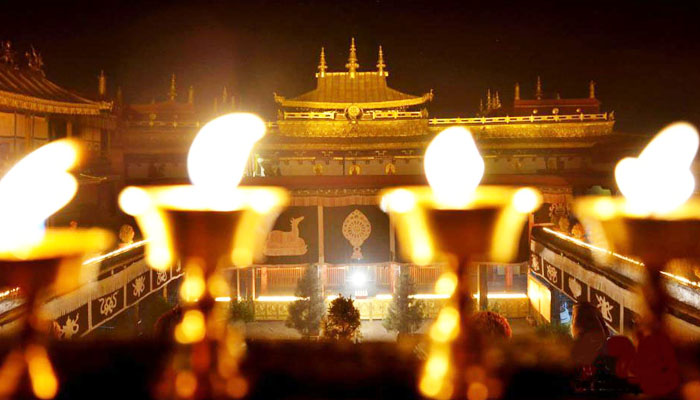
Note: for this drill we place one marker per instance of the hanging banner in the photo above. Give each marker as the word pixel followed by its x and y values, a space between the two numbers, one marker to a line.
pixel 536 264
pixel 294 237
pixel 552 274
pixel 106 306
pixel 356 235
pixel 137 288
pixel 73 324
pixel 575 288
pixel 609 308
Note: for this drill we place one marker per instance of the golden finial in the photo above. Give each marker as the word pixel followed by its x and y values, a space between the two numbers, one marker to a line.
pixel 322 67
pixel 591 90
pixel 538 91
pixel 489 104
pixel 352 64
pixel 120 97
pixel 517 91
pixel 224 96
pixel 102 85
pixel 172 94
pixel 497 101
pixel 190 95
pixel 481 106
pixel 380 63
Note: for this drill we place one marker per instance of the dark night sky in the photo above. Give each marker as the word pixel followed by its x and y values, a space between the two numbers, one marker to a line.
pixel 645 57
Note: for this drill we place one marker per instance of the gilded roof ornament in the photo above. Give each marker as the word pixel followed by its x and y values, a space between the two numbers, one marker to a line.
pixel 352 64
pixel 7 55
pixel 172 93
pixel 538 91
pixel 190 95
pixel 322 67
pixel 591 90
pixel 34 60
pixel 102 84
pixel 380 63
pixel 517 91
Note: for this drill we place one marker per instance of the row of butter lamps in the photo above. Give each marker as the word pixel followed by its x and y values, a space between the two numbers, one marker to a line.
pixel 214 223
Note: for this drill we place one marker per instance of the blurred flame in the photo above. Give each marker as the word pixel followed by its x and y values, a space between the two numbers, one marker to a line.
pixel 193 286
pixel 219 153
pixel 33 189
pixel 446 327
pixel 446 283
pixel 191 329
pixel 660 180
pixel 453 167
pixel 41 374
pixel 185 384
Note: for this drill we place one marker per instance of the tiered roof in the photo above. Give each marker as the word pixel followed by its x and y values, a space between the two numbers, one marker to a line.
pixel 28 89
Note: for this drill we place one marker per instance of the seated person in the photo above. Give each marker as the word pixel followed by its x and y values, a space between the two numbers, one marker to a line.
pixel 589 332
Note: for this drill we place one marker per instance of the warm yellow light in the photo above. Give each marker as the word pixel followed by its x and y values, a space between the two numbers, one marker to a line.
pixel 446 327
pixel 193 286
pixel 660 180
pixel 446 283
pixel 41 374
pixel 453 167
pixel 526 200
pixel 192 328
pixel 138 203
pixel 33 189
pixel 185 384
pixel 219 153
pixel 399 200
pixel 435 382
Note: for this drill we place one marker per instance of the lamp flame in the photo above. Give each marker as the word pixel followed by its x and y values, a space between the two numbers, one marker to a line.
pixel 219 153
pixel 34 189
pixel 453 167
pixel 660 179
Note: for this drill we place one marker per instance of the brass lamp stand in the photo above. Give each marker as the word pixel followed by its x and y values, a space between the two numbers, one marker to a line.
pixel 485 229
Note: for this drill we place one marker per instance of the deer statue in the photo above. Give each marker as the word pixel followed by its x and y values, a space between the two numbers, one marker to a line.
pixel 281 243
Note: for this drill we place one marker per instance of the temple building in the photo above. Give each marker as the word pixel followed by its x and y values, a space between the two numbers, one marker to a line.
pixel 35 111
pixel 336 146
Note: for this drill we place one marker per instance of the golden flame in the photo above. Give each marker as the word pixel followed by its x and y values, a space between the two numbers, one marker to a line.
pixel 453 167
pixel 660 179
pixel 219 153
pixel 33 189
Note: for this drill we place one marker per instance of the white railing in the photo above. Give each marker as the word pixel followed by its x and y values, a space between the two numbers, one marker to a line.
pixel 523 119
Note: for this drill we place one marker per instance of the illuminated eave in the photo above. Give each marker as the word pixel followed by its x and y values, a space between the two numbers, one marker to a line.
pixel 342 106
pixel 35 104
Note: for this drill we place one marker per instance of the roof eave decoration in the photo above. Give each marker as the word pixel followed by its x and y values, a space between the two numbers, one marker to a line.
pixel 281 100
pixel 28 103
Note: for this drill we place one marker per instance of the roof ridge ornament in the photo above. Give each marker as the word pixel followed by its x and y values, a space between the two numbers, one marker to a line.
pixel 352 64
pixel 322 67
pixel 7 55
pixel 172 93
pixel 538 91
pixel 102 85
pixel 380 63
pixel 591 89
pixel 34 60
pixel 517 91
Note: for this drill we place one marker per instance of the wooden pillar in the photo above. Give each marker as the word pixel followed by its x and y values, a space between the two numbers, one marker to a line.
pixel 252 282
pixel 238 283
pixel 263 280
pixel 483 287
pixel 324 279
pixel 392 277
pixel 509 277
pixel 321 249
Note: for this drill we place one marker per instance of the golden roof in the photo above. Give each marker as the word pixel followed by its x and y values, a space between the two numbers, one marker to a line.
pixel 349 129
pixel 337 90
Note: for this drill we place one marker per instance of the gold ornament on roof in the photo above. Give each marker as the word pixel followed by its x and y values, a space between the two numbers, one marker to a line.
pixel 322 67
pixel 356 229
pixel 352 64
pixel 380 63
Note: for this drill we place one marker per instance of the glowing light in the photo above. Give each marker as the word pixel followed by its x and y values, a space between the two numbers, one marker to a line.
pixel 446 327
pixel 433 383
pixel 191 329
pixel 33 189
pixel 477 391
pixel 526 200
pixel 193 286
pixel 185 384
pixel 278 298
pixel 619 256
pixel 223 299
pixel 219 153
pixel 359 279
pixel 41 374
pixel 384 296
pixel 446 283
pixel 399 200
pixel 114 253
pixel 660 180
pixel 453 167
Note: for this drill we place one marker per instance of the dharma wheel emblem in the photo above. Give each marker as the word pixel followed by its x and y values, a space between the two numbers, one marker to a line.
pixel 356 229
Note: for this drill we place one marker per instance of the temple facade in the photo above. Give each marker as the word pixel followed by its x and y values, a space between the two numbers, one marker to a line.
pixel 35 111
pixel 336 146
